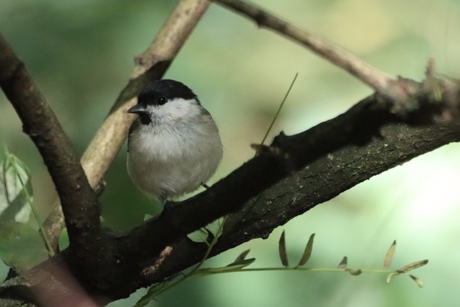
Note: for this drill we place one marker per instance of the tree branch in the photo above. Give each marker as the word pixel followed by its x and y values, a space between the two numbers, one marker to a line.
pixel 290 177
pixel 79 202
pixel 330 158
pixel 366 73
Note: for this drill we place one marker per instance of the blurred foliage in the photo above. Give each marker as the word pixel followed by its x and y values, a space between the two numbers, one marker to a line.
pixel 21 246
pixel 81 54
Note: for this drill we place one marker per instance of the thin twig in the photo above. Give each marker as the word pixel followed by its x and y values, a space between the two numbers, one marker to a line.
pixel 279 110
pixel 151 64
pixel 365 72
pixel 334 164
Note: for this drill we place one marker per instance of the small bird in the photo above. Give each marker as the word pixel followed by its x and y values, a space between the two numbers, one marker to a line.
pixel 174 146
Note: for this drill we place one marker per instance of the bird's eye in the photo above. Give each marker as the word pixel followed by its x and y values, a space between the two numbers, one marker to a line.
pixel 161 100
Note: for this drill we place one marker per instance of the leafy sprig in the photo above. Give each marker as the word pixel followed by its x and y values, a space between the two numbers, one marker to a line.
pixel 22 245
pixel 241 263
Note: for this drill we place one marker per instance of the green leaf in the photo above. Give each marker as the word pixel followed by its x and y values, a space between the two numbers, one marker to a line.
pixel 242 256
pixel 16 198
pixel 412 266
pixel 199 236
pixel 308 250
pixel 151 294
pixel 282 250
pixel 208 233
pixel 15 191
pixel 390 276
pixel 22 248
pixel 418 281
pixel 237 265
pixel 389 256
pixel 343 263
pixel 355 272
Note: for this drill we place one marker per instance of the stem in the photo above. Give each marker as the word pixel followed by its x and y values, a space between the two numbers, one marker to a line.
pixel 377 271
pixel 279 109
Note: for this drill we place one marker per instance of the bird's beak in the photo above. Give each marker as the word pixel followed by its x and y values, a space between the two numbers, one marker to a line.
pixel 137 109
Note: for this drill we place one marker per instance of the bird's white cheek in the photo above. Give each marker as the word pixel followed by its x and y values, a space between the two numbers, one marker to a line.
pixel 180 110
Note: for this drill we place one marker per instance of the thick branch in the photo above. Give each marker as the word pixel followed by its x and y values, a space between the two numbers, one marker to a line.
pixel 313 166
pixel 320 181
pixel 79 202
pixel 295 174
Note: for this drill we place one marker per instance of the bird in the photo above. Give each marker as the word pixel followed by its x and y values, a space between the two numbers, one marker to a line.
pixel 174 145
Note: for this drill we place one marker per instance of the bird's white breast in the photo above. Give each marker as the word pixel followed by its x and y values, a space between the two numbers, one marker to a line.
pixel 177 154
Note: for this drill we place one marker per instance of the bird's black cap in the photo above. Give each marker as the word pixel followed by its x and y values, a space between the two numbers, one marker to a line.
pixel 160 91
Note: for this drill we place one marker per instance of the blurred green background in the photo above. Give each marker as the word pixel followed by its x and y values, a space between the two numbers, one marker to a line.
pixel 81 55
